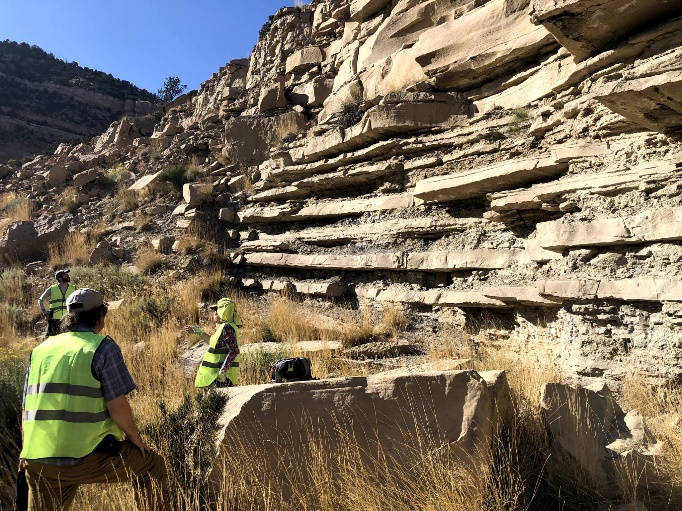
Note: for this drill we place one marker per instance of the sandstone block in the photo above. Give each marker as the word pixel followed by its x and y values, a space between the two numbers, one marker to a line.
pixel 83 178
pixel 360 10
pixel 272 97
pixel 265 246
pixel 57 175
pixel 312 93
pixel 462 63
pixel 527 295
pixel 592 433
pixel 163 244
pixel 588 27
pixel 487 179
pixel 226 215
pixel 653 102
pixel 663 224
pixel 144 182
pixel 462 417
pixel 620 181
pixel 572 289
pixel 464 259
pixel 192 193
pixel 380 122
pixel 304 58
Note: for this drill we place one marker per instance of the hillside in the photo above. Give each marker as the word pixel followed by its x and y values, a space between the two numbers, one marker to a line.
pixel 44 100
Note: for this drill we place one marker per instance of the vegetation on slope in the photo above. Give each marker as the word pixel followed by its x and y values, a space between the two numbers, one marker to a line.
pixel 31 63
pixel 148 327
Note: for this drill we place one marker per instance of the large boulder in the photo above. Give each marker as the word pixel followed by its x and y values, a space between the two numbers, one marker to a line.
pixel 29 240
pixel 249 139
pixel 591 435
pixel 380 417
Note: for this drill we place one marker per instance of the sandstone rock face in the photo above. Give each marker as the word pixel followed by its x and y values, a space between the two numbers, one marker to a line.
pixel 512 159
pixel 594 435
pixel 464 411
pixel 587 27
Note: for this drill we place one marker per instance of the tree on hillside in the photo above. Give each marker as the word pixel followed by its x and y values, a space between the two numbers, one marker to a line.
pixel 171 89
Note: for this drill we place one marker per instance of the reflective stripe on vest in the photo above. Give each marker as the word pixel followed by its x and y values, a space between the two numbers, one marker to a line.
pixel 58 300
pixel 65 414
pixel 214 359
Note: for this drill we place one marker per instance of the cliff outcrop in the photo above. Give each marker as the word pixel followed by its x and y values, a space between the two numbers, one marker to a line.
pixel 504 165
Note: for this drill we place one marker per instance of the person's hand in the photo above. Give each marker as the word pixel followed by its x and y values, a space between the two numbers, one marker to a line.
pixel 136 440
pixel 193 329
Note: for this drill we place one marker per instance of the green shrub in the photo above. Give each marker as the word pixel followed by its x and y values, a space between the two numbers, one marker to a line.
pixel 176 175
pixel 15 288
pixel 16 316
pixel 254 367
pixel 187 435
pixel 520 117
pixel 350 115
pixel 110 280
pixel 14 205
pixel 265 29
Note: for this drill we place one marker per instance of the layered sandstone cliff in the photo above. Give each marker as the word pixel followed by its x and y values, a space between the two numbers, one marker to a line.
pixel 501 164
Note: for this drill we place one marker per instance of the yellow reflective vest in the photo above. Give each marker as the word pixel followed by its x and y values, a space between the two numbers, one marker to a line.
pixel 65 414
pixel 214 358
pixel 58 300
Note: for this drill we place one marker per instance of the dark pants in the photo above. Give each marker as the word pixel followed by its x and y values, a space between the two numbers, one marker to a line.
pixel 52 327
pixel 53 488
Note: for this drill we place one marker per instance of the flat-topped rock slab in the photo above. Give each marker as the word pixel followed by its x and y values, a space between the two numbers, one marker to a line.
pixel 618 180
pixel 663 224
pixel 480 181
pixel 414 261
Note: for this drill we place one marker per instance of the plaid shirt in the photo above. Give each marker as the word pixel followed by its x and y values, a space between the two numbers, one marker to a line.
pixel 228 339
pixel 110 369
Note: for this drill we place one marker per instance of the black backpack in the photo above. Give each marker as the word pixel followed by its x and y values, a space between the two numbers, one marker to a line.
pixel 290 369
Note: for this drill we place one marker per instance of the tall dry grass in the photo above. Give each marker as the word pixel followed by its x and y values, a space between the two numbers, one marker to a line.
pixel 149 328
pixel 74 249
pixel 13 208
pixel 661 407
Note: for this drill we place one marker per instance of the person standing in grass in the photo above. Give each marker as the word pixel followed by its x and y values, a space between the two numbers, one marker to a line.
pixel 75 411
pixel 57 295
pixel 220 366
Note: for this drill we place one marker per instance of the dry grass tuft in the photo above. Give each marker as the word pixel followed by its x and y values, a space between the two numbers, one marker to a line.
pixel 148 260
pixel 128 199
pixel 661 407
pixel 74 249
pixel 14 208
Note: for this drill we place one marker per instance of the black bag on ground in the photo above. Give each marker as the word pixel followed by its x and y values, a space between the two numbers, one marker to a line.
pixel 290 369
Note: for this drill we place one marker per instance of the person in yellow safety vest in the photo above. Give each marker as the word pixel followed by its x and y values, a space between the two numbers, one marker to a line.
pixel 75 411
pixel 57 295
pixel 220 366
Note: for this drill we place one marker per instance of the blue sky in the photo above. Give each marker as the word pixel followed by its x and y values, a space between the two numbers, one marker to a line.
pixel 141 41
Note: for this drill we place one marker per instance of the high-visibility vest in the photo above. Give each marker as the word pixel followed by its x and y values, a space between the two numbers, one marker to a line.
pixel 65 414
pixel 58 300
pixel 214 358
